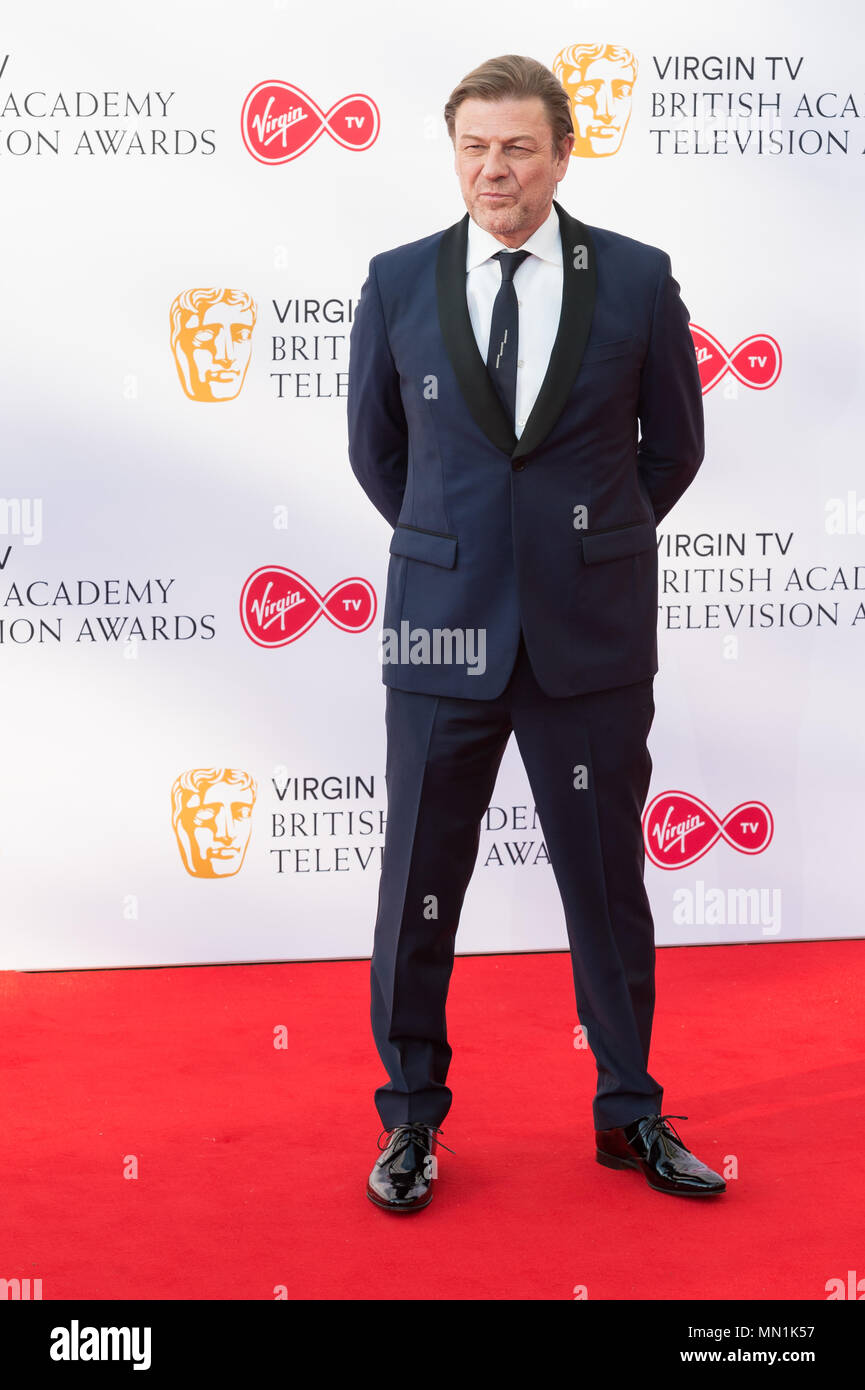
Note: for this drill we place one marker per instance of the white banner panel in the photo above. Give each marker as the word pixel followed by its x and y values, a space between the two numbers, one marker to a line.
pixel 190 206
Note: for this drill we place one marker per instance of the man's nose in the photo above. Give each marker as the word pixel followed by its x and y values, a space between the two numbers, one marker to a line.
pixel 495 165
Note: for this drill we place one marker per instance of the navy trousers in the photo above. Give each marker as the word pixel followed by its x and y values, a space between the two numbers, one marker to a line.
pixel 443 755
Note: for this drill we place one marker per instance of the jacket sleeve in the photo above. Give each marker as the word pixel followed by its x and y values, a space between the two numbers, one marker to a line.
pixel 670 408
pixel 377 428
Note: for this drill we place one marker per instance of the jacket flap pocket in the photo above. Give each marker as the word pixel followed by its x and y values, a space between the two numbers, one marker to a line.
pixel 616 545
pixel 597 352
pixel 432 546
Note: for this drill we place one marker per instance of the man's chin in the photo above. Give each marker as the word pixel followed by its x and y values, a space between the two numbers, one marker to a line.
pixel 495 216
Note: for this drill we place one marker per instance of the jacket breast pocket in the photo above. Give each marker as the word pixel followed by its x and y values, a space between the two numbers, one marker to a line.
pixel 618 347
pixel 619 543
pixel 433 547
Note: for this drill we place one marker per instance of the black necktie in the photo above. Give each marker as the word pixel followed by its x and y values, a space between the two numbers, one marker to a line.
pixel 504 332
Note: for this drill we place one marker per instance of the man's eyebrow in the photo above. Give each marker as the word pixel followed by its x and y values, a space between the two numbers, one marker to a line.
pixel 509 140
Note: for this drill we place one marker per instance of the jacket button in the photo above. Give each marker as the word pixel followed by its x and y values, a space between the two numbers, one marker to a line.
pixel 518 465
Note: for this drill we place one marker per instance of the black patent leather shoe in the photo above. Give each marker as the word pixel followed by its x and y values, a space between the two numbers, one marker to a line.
pixel 402 1178
pixel 653 1146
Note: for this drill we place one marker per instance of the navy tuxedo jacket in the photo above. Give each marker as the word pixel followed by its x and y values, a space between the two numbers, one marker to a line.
pixel 489 531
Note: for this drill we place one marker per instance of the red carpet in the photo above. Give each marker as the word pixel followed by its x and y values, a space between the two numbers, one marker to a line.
pixel 252 1161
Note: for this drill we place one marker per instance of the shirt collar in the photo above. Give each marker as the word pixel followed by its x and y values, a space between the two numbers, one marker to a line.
pixel 545 243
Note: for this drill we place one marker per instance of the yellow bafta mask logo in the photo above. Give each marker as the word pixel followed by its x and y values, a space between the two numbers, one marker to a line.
pixel 599 80
pixel 211 810
pixel 211 338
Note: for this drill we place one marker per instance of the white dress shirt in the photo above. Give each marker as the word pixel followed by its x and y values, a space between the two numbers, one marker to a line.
pixel 538 283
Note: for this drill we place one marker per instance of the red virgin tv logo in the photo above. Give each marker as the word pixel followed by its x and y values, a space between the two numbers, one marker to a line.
pixel 679 828
pixel 277 606
pixel 756 361
pixel 280 122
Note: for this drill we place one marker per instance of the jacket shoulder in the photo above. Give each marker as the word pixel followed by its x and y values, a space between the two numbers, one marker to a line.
pixel 639 253
pixel 401 259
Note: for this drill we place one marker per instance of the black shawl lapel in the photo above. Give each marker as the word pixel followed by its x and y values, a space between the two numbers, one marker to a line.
pixel 462 349
pixel 579 285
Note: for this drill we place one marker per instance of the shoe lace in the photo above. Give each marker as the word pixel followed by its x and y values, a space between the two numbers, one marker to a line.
pixel 411 1134
pixel 658 1124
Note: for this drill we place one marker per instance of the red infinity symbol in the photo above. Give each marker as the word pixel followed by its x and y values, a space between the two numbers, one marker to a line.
pixel 756 362
pixel 679 828
pixel 279 122
pixel 277 605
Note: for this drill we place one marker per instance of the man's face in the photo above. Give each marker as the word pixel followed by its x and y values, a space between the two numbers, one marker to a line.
pixel 601 96
pixel 216 345
pixel 217 825
pixel 506 164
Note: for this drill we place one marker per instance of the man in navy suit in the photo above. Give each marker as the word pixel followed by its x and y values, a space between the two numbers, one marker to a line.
pixel 499 372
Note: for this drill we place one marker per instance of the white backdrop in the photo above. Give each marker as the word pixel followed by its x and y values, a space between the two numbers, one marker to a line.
pixel 112 474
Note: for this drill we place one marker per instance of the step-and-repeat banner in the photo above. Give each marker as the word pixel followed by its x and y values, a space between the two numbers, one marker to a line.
pixel 190 576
